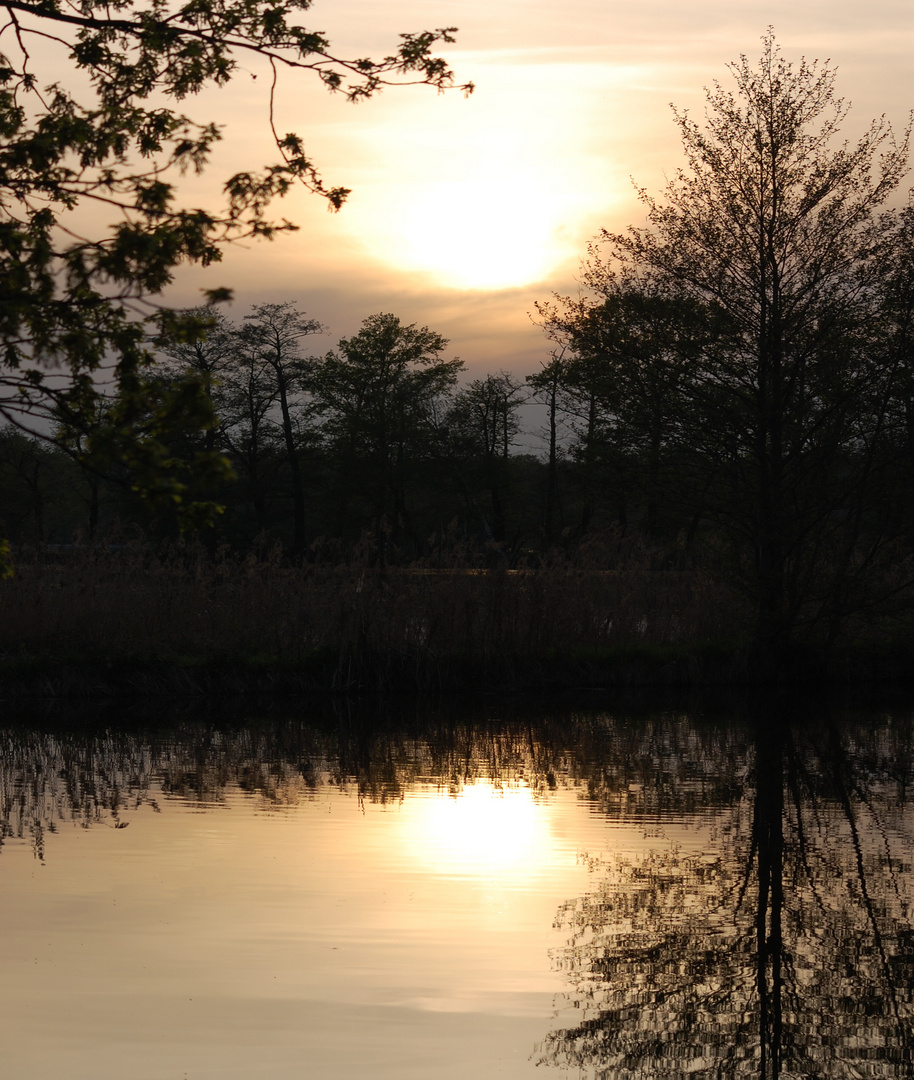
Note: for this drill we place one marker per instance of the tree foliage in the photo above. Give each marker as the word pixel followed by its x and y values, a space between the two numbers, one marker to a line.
pixel 376 396
pixel 111 138
pixel 257 378
pixel 272 337
pixel 482 427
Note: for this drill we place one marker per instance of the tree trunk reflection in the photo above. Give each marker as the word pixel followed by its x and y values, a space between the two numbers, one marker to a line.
pixel 785 952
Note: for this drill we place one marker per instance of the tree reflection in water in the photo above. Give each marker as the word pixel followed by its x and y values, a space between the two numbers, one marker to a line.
pixel 786 952
pixel 96 771
pixel 783 950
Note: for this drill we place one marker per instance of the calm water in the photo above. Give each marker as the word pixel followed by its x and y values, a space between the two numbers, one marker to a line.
pixel 426 895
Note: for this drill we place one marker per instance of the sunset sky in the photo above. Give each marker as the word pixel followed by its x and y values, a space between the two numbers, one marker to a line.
pixel 465 212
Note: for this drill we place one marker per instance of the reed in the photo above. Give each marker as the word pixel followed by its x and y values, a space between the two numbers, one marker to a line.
pixel 348 625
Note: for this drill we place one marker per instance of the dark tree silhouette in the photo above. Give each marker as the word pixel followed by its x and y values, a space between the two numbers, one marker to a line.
pixel 272 338
pixel 376 397
pixel 781 401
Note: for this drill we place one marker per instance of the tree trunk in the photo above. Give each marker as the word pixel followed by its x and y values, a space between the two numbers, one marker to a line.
pixel 295 477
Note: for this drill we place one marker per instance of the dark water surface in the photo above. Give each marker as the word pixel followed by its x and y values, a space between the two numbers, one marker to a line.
pixel 425 893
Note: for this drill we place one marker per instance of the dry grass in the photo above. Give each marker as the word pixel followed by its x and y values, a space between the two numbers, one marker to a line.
pixel 350 624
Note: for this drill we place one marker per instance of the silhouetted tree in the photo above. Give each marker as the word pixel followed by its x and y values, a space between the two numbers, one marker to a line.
pixel 628 359
pixel 38 489
pixel 376 396
pixel 482 426
pixel 205 357
pixel 546 386
pixel 271 341
pixel 773 234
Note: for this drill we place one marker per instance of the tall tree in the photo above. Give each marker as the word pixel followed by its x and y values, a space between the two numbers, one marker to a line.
pixel 272 337
pixel 376 395
pixel 484 426
pixel 893 291
pixel 546 387
pixel 628 358
pixel 246 403
pixel 773 230
pixel 203 358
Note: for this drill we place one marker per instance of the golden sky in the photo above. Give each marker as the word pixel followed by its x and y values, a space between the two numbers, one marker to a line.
pixel 465 212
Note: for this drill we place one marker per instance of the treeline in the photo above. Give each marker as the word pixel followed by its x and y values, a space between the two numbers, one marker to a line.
pixel 377 443
pixel 378 454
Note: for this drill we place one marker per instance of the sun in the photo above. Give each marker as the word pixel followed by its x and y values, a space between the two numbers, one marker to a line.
pixel 482 233
pixel 476 197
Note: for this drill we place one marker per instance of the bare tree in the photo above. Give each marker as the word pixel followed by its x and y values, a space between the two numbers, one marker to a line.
pixel 271 339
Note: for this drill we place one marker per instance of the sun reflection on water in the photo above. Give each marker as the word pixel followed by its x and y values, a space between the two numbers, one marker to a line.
pixel 483 828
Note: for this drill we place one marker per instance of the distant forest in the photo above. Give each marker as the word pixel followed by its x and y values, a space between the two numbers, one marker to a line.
pixel 375 443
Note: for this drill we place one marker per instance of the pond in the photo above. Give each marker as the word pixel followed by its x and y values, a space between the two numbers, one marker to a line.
pixel 417 892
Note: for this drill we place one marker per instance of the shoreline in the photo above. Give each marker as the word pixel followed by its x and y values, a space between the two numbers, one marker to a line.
pixel 130 623
pixel 351 672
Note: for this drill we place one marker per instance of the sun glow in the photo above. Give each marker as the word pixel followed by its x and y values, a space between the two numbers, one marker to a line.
pixel 479 234
pixel 483 829
pixel 495 192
